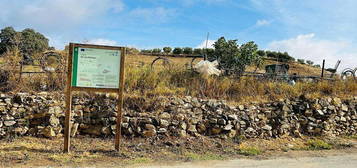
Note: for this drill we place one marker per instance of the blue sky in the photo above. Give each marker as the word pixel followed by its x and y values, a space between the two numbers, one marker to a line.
pixel 309 29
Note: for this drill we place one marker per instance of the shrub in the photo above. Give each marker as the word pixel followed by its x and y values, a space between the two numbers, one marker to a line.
pixel 318 144
pixel 309 62
pixel 167 50
pixel 301 61
pixel 198 51
pixel 187 50
pixel 156 51
pixel 177 50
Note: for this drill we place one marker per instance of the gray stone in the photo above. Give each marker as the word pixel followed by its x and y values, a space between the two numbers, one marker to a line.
pixel 222 121
pixel 192 129
pixel 9 123
pixel 267 127
pixel 164 123
pixel 343 119
pixel 233 117
pixel 228 127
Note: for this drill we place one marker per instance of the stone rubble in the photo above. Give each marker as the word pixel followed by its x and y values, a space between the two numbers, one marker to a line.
pixel 43 115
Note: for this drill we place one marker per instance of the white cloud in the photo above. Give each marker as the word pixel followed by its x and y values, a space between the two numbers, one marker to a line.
pixel 209 44
pixel 262 22
pixel 101 41
pixel 153 15
pixel 55 14
pixel 308 47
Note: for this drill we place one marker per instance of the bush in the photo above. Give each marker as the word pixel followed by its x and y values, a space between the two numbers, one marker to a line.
pixel 234 58
pixel 309 62
pixel 198 51
pixel 177 50
pixel 156 51
pixel 187 50
pixel 301 61
pixel 318 144
pixel 282 57
pixel 167 50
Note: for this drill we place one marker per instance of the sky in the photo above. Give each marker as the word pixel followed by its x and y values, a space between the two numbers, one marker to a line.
pixel 306 29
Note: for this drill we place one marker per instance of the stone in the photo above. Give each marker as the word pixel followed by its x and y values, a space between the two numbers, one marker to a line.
pixel 48 132
pixel 267 128
pixel 21 130
pixel 222 121
pixel 183 125
pixel 182 133
pixel 105 131
pixel 150 127
pixel 337 101
pixel 344 108
pixel 343 119
pixel 228 127
pixel 232 117
pixel 241 107
pixel 162 130
pixel 180 117
pixel 216 130
pixel 201 128
pixel 249 129
pixel 149 133
pixel 165 116
pixel 9 123
pixel 74 129
pixel 1 124
pixel 54 121
pixel 232 133
pixel 320 112
pixel 164 123
pixel 192 129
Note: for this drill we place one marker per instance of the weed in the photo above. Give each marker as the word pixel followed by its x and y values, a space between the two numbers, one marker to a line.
pixel 140 160
pixel 249 151
pixel 318 144
pixel 207 156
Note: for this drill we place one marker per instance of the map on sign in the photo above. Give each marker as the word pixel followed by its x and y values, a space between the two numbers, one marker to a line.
pixel 96 68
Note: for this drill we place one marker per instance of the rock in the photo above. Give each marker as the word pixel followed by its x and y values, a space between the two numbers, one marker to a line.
pixel 241 107
pixel 232 117
pixel 201 128
pixel 105 131
pixel 165 116
pixel 337 101
pixel 192 129
pixel 1 124
pixel 162 130
pixel 228 127
pixel 54 121
pixel 249 129
pixel 21 130
pixel 343 119
pixel 74 129
pixel 180 117
pixel 344 108
pixel 164 123
pixel 182 133
pixel 267 128
pixel 149 133
pixel 48 132
pixel 222 121
pixel 183 125
pixel 150 127
pixel 232 133
pixel 216 130
pixel 9 123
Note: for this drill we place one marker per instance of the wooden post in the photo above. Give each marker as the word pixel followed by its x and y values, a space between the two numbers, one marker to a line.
pixel 67 131
pixel 120 103
pixel 323 69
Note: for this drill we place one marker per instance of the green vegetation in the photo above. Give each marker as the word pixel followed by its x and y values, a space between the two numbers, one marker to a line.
pixel 28 41
pixel 177 50
pixel 318 144
pixel 167 50
pixel 207 156
pixel 249 151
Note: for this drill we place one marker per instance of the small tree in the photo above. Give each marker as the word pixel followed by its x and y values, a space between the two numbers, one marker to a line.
pixel 167 50
pixel 187 50
pixel 309 62
pixel 156 51
pixel 197 51
pixel 234 58
pixel 301 61
pixel 177 50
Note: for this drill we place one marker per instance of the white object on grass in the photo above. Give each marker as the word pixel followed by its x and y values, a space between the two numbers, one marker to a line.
pixel 207 68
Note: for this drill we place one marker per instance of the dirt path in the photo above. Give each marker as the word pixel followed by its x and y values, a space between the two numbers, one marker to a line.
pixel 332 159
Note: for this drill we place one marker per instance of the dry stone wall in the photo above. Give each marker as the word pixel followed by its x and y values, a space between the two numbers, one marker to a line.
pixel 43 115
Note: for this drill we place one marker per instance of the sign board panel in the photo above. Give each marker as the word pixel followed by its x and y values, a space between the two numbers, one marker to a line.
pixel 96 68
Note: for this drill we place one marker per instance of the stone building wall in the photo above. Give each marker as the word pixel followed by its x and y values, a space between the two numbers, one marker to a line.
pixel 43 115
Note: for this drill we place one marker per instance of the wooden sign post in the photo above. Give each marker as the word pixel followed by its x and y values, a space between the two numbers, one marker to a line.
pixel 94 68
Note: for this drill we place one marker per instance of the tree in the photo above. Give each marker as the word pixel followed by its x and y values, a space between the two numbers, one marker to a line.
pixel 234 58
pixel 28 41
pixel 187 50
pixel 309 62
pixel 9 38
pixel 198 51
pixel 177 50
pixel 167 50
pixel 156 51
pixel 301 61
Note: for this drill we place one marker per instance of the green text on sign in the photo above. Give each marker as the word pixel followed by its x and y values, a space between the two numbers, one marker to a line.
pixel 96 68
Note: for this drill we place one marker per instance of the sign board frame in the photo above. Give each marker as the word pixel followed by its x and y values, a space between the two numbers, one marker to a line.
pixel 70 89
